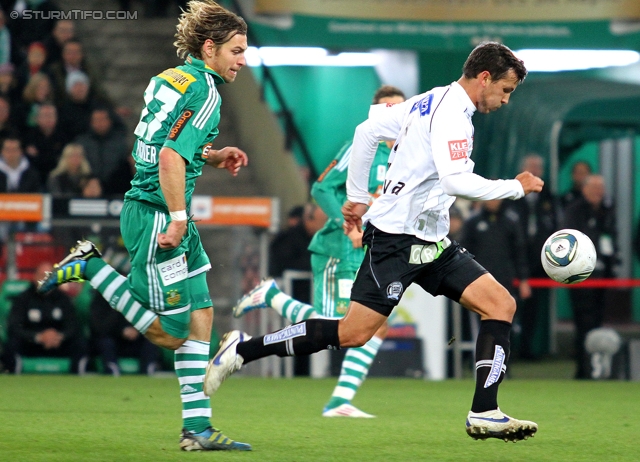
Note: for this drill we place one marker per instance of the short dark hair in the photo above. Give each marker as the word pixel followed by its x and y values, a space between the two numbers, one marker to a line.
pixel 385 91
pixel 495 58
pixel 580 162
pixel 10 137
pixel 72 41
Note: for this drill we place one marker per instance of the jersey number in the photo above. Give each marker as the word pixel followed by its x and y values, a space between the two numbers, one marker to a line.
pixel 167 99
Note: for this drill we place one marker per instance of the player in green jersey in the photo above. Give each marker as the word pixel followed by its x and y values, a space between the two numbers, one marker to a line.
pixel 166 296
pixel 335 258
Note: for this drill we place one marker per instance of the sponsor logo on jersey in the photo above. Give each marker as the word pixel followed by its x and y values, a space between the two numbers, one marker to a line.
pixel 496 366
pixel 394 290
pixel 173 297
pixel 341 307
pixel 344 288
pixel 424 105
pixel 178 126
pixel 290 332
pixel 327 170
pixel 174 270
pixel 423 254
pixel 458 149
pixel 180 80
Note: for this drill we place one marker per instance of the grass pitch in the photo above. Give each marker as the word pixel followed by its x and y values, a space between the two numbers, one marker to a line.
pixel 94 418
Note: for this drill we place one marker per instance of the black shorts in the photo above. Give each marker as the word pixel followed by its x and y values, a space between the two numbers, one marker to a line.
pixel 393 261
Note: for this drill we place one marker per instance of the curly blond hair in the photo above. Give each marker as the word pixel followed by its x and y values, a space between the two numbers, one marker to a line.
pixel 205 19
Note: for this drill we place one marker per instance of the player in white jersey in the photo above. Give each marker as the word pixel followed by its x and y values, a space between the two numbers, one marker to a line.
pixel 406 234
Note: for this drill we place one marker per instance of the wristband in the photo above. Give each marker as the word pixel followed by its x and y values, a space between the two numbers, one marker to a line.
pixel 180 215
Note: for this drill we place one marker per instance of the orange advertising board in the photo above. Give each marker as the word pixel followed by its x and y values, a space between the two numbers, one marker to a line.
pixel 247 211
pixel 21 207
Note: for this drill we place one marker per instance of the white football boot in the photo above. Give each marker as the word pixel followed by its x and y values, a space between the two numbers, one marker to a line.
pixel 496 424
pixel 346 410
pixel 225 362
pixel 255 299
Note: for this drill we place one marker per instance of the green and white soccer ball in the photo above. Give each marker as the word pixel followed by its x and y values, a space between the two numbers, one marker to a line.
pixel 568 256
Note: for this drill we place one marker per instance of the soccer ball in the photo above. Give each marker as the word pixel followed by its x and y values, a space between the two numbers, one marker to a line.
pixel 568 256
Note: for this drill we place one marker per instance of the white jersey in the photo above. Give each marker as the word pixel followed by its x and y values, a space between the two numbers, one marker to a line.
pixel 430 164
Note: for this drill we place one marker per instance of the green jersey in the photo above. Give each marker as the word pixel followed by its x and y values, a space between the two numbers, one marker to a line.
pixel 182 111
pixel 330 192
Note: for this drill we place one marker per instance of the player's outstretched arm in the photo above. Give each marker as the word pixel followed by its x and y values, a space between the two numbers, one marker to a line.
pixel 230 157
pixel 474 187
pixel 530 182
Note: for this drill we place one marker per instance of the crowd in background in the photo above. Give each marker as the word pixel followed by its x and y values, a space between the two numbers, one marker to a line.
pixel 507 238
pixel 59 131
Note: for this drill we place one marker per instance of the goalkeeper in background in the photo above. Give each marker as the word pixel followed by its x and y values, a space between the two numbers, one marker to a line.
pixel 335 258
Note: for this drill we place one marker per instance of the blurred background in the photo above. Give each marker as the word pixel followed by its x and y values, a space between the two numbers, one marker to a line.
pixel 72 76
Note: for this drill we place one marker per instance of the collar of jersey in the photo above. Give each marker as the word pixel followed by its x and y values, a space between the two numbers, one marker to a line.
pixel 455 86
pixel 201 66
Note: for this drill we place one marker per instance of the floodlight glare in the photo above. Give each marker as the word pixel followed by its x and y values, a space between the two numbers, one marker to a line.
pixel 538 60
pixel 306 56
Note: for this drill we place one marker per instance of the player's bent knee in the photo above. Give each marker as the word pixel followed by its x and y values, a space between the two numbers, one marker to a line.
pixel 164 340
pixel 354 339
pixel 168 342
pixel 504 308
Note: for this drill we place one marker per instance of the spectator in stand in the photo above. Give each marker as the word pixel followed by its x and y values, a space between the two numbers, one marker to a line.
pixel 5 40
pixel 65 180
pixel 37 27
pixel 579 172
pixel 495 237
pixel 294 217
pixel 75 112
pixel 106 150
pixel 91 187
pixel 36 57
pixel 8 85
pixel 73 60
pixel 16 175
pixel 45 326
pixel 114 337
pixel 539 217
pixel 37 92
pixel 456 223
pixel 6 127
pixel 44 143
pixel 289 248
pixel 595 216
pixel 63 31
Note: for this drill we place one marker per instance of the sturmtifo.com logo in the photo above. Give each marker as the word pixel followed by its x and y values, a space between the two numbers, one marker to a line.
pixel 74 14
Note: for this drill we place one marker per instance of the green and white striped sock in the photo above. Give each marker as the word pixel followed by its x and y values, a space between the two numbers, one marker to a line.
pixel 190 362
pixel 115 289
pixel 355 367
pixel 288 307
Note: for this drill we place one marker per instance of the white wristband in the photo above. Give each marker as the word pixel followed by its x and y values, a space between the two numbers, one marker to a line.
pixel 180 215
